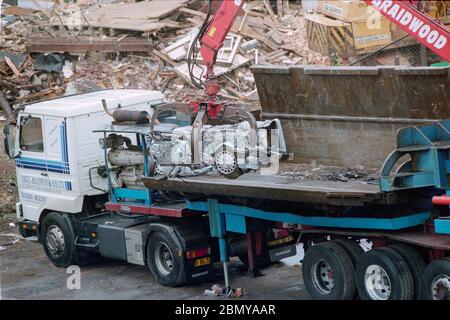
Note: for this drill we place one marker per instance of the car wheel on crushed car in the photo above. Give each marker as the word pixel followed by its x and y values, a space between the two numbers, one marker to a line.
pixel 226 163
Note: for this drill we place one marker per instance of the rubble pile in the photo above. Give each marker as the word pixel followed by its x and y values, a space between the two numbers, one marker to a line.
pixel 86 46
pixel 329 173
pixel 8 185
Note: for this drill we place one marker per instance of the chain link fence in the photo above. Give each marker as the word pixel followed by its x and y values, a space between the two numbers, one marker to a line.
pixel 403 51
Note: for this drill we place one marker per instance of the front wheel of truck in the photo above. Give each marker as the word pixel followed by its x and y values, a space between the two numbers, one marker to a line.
pixel 165 260
pixel 58 239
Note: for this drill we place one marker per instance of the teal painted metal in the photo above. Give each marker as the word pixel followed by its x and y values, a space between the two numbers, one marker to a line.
pixel 122 194
pixel 428 147
pixel 216 220
pixel 235 223
pixel 441 64
pixel 351 223
pixel 217 226
pixel 442 225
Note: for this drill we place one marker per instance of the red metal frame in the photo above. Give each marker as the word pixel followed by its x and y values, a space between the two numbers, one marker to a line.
pixel 431 33
pixel 163 211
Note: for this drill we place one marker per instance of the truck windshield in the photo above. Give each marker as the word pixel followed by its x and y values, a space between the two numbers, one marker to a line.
pixel 31 138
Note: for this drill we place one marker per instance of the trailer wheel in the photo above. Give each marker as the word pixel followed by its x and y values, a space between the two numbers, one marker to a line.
pixel 416 265
pixel 353 249
pixel 58 239
pixel 382 274
pixel 328 272
pixel 164 260
pixel 436 280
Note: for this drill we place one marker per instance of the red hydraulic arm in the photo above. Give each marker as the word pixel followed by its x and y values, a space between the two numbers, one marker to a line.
pixel 214 37
pixel 429 32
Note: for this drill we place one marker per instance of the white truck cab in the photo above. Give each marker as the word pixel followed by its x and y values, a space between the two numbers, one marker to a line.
pixel 81 201
pixel 55 148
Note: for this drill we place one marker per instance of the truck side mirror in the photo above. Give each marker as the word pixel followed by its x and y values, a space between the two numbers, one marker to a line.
pixel 10 141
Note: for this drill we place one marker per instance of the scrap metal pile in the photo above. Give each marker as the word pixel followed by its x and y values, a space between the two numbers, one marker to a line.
pixel 173 149
pixel 60 49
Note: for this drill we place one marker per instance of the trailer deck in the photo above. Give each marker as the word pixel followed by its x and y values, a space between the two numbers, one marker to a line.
pixel 277 187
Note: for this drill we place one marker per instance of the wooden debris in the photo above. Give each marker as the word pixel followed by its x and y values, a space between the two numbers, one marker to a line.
pixel 85 44
pixel 18 11
pixel 145 16
pixel 12 66
pixel 269 10
pixel 164 57
pixel 193 12
pixel 144 45
pixel 179 49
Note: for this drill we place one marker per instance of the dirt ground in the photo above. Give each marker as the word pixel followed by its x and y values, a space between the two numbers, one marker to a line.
pixel 26 273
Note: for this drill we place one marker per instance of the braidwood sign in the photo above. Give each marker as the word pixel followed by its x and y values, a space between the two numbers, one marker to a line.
pixel 430 33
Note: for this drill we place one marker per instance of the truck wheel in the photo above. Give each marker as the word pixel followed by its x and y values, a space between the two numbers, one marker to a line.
pixel 58 239
pixel 164 261
pixel 354 251
pixel 436 280
pixel 328 272
pixel 352 248
pixel 382 274
pixel 416 265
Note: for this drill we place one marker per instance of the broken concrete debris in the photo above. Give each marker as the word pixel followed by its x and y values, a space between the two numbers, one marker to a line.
pixel 328 173
pixel 67 48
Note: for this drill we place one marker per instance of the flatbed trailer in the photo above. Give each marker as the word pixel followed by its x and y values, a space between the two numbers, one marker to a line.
pixel 398 217
pixel 275 187
pixel 322 215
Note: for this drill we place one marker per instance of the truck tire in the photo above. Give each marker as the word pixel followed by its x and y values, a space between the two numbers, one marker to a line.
pixel 382 274
pixel 436 280
pixel 353 249
pixel 164 260
pixel 328 272
pixel 58 239
pixel 416 264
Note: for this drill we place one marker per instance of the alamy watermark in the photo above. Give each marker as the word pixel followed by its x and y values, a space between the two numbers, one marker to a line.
pixel 74 279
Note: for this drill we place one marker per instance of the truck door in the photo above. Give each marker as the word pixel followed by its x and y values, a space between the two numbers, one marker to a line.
pixel 31 165
pixel 57 154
